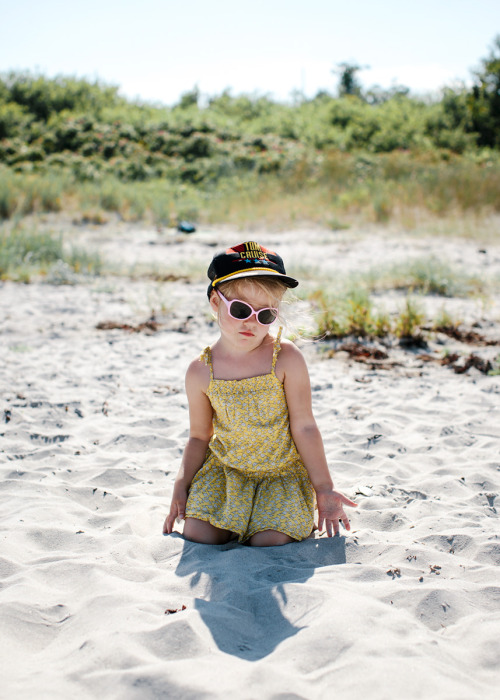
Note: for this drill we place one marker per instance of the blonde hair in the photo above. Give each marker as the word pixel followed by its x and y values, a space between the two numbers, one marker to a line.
pixel 274 289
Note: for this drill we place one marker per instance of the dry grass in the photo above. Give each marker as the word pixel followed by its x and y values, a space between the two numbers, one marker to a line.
pixel 409 192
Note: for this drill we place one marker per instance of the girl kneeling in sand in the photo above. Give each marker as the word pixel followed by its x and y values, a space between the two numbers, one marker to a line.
pixel 254 463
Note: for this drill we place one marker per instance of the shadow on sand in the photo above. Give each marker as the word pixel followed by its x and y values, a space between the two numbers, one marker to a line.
pixel 248 608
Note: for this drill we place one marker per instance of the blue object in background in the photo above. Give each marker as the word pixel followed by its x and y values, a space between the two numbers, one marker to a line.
pixel 186 227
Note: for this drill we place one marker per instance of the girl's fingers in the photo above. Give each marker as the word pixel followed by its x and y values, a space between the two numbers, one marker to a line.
pixel 176 513
pixel 169 524
pixel 331 525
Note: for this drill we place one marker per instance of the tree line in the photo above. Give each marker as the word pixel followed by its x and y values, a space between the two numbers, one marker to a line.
pixel 89 129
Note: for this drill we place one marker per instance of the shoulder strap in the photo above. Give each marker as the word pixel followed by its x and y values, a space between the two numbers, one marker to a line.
pixel 277 347
pixel 206 356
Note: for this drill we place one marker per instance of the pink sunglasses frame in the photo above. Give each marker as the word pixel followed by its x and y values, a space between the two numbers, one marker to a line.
pixel 255 313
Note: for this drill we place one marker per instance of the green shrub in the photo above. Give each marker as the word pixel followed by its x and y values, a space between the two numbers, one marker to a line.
pixel 347 314
pixel 444 321
pixel 328 314
pixel 25 248
pixel 83 261
pixel 13 117
pixel 358 313
pixel 8 196
pixel 25 253
pixel 374 156
pixel 409 321
pixel 425 276
pixel 111 195
pixel 49 192
pixel 382 324
pixel 382 207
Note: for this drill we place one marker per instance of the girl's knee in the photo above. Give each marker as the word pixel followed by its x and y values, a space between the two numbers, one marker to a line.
pixel 269 538
pixel 204 532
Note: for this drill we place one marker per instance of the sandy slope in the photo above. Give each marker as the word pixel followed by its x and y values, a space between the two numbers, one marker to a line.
pixel 92 427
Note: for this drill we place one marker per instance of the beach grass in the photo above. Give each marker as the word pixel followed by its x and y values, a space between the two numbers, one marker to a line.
pixel 425 275
pixel 26 254
pixel 339 314
pixel 350 313
pixel 333 190
pixel 407 325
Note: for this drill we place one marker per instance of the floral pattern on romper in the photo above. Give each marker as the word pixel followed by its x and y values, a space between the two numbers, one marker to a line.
pixel 253 478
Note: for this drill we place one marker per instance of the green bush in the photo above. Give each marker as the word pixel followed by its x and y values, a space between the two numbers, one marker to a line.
pixel 25 253
pixel 13 117
pixel 8 196
pixel 348 314
pixel 43 97
pixel 24 248
pixel 409 321
pixel 373 155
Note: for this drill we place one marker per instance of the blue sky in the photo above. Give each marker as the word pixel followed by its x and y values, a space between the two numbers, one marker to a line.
pixel 157 49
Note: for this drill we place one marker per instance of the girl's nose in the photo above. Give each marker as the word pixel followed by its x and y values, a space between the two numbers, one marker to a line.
pixel 252 319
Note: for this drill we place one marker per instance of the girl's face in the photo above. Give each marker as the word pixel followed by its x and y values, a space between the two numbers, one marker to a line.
pixel 247 332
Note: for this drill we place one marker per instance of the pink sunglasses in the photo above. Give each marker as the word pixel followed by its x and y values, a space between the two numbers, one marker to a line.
pixel 240 311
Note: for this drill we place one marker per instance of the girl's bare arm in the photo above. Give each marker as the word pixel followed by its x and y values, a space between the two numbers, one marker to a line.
pixel 200 432
pixel 308 441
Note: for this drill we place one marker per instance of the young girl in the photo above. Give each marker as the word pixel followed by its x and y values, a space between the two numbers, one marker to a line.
pixel 254 464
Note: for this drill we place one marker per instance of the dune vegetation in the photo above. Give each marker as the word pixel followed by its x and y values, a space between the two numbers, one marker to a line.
pixel 357 156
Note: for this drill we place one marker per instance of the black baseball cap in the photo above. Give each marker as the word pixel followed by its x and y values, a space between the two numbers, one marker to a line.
pixel 247 260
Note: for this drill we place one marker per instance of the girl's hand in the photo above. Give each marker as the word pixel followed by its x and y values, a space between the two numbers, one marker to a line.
pixel 330 511
pixel 177 509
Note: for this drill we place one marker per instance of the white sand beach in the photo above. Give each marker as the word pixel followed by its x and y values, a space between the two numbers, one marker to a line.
pixel 96 603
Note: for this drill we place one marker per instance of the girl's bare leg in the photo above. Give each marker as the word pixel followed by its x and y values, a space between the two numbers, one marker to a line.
pixel 204 533
pixel 269 538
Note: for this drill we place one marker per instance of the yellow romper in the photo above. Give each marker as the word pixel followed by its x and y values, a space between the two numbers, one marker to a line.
pixel 253 478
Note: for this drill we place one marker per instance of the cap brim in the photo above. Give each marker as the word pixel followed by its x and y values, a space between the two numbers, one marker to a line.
pixel 269 274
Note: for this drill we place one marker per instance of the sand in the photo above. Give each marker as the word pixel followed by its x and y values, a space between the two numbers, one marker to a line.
pixel 95 602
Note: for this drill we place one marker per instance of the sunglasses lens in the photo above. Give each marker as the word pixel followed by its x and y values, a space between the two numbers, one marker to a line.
pixel 267 316
pixel 240 310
